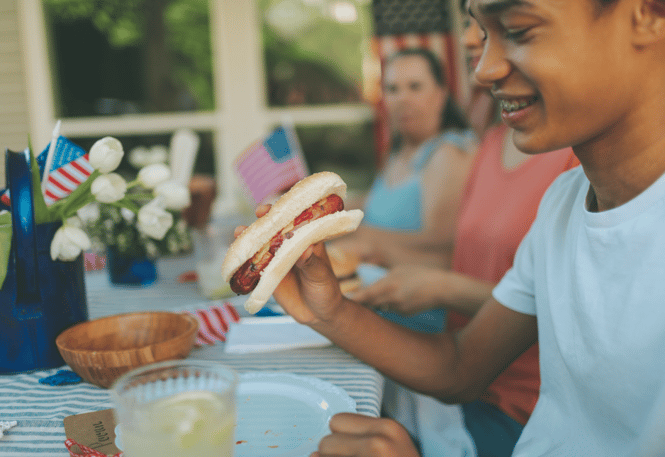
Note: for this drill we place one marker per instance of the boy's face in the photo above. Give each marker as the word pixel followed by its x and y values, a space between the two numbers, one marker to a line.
pixel 558 68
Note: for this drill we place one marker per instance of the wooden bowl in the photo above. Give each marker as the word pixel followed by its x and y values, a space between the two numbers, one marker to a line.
pixel 103 349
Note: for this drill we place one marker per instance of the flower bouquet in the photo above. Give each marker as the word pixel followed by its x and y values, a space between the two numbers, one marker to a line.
pixel 152 197
pixel 113 227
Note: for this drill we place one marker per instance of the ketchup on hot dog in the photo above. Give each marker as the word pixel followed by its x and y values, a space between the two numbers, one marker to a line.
pixel 245 279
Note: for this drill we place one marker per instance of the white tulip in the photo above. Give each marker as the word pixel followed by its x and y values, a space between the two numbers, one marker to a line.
pixel 138 157
pixel 109 188
pixel 89 213
pixel 68 242
pixel 154 221
pixel 173 195
pixel 74 221
pixel 158 154
pixel 153 175
pixel 106 154
pixel 127 214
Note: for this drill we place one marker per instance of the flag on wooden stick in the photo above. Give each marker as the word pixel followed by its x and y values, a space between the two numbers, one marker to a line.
pixel 70 167
pixel 272 164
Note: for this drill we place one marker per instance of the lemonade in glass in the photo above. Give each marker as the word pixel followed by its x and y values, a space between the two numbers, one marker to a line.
pixel 177 408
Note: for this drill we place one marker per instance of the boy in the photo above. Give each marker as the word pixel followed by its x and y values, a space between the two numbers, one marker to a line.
pixel 587 281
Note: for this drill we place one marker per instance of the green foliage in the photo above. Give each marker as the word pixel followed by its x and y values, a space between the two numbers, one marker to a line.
pixel 120 20
pixel 5 243
pixel 123 22
pixel 41 211
pixel 188 23
pixel 321 41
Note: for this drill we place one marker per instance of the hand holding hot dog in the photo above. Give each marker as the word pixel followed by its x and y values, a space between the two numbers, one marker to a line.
pixel 263 254
pixel 310 281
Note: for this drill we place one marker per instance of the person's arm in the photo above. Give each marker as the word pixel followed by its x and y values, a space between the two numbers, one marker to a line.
pixel 388 248
pixel 410 289
pixel 452 367
pixel 443 181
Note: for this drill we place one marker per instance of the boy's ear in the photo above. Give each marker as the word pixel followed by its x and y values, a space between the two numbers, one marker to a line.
pixel 648 21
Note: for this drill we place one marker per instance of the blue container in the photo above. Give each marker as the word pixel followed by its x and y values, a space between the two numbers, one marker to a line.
pixel 40 297
pixel 129 270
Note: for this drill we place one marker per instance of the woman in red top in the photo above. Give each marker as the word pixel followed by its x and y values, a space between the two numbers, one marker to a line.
pixel 499 204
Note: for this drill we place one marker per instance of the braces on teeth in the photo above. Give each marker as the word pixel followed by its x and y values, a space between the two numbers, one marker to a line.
pixel 514 106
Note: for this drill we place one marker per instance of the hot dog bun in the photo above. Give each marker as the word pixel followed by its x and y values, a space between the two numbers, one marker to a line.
pixel 299 198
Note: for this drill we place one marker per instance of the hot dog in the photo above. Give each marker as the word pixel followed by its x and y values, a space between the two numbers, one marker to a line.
pixel 311 211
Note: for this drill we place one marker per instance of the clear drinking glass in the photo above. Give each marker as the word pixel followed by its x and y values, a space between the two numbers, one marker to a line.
pixel 210 246
pixel 184 408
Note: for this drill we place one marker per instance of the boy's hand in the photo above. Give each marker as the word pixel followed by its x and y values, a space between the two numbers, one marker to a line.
pixel 362 436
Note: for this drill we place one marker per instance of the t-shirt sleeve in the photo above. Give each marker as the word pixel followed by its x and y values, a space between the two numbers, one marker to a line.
pixel 516 288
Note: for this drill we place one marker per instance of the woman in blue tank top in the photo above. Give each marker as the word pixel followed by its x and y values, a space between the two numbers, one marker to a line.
pixel 411 208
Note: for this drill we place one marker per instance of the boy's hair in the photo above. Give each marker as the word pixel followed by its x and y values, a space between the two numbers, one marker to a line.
pixel 452 116
pixel 659 5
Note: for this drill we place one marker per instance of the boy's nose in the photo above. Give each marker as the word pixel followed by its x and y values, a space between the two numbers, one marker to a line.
pixel 493 65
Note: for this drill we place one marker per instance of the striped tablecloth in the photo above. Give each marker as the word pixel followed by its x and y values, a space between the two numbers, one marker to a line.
pixel 40 409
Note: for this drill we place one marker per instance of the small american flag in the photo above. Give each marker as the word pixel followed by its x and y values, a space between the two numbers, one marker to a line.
pixel 214 322
pixel 69 169
pixel 272 164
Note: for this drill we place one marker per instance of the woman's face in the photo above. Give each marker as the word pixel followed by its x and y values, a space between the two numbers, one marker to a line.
pixel 561 73
pixel 414 99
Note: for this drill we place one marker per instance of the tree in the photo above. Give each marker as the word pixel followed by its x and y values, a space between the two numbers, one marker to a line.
pixel 174 36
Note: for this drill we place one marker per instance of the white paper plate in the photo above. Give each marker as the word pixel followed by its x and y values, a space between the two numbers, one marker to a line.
pixel 284 415
pixel 268 334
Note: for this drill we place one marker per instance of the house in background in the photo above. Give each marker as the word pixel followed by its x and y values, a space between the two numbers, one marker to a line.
pixel 229 69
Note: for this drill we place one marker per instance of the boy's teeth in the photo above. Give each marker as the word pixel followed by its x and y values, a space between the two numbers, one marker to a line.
pixel 514 105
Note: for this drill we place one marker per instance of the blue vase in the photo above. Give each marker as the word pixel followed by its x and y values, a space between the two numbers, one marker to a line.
pixel 40 297
pixel 129 270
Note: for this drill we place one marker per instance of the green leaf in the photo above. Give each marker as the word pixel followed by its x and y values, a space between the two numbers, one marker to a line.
pixel 42 213
pixel 5 244
pixel 68 206
pixel 126 203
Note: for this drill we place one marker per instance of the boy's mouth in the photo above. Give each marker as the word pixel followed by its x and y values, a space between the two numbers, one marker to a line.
pixel 515 104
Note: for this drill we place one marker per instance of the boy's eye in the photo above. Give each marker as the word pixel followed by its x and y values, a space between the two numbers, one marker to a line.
pixel 515 34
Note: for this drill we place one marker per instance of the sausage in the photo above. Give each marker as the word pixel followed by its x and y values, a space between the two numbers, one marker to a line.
pixel 247 277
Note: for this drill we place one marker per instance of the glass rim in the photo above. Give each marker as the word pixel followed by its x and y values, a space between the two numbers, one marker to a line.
pixel 123 380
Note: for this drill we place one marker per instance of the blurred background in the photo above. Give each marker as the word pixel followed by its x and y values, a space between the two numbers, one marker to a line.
pixel 231 70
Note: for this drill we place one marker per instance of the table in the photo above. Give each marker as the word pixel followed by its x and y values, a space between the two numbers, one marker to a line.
pixel 40 409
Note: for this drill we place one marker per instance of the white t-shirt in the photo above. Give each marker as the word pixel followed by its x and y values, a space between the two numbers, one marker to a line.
pixel 596 282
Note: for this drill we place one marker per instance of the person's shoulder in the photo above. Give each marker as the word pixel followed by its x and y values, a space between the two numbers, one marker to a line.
pixel 565 188
pixel 461 140
pixel 449 155
pixel 574 177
